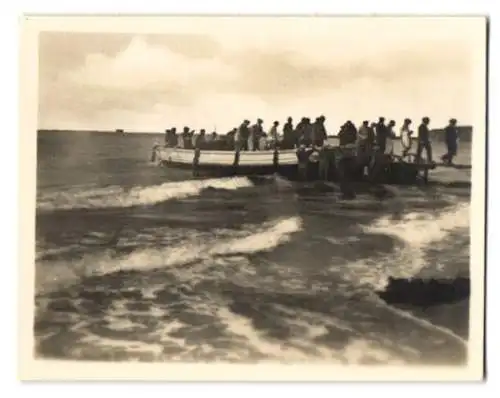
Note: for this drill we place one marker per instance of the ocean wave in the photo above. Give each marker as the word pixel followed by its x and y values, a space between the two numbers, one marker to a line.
pixel 115 196
pixel 418 229
pixel 55 274
pixel 240 325
pixel 415 233
pixel 304 346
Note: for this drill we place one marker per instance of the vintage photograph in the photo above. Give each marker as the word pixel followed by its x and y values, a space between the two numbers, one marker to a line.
pixel 259 190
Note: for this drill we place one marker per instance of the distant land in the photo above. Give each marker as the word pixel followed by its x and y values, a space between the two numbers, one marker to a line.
pixel 116 132
pixel 464 133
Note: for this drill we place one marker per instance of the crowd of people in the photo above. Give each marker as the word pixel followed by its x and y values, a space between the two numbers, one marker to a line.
pixel 369 138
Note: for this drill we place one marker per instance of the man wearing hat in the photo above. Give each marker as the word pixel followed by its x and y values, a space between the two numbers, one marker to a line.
pixel 364 143
pixel 319 131
pixel 424 140
pixel 289 139
pixel 241 136
pixel 230 139
pixel 185 138
pixel 256 132
pixel 171 137
pixel 272 137
pixel 451 138
pixel 299 131
pixel 389 139
pixel 199 140
pixel 306 133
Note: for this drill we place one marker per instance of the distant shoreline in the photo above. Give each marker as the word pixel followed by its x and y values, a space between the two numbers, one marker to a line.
pixel 114 132
pixel 465 133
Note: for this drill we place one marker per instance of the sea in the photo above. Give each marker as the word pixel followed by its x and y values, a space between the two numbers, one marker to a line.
pixel 136 262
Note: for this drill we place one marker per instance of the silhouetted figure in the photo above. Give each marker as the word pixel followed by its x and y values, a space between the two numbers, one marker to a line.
pixel 389 139
pixel 213 136
pixel 191 135
pixel 229 141
pixel 424 140
pixel 186 138
pixel 406 139
pixel 364 143
pixel 347 164
pixel 373 129
pixel 303 154
pixel 364 131
pixel 347 134
pixel 382 156
pixel 299 130
pixel 390 129
pixel 306 133
pixel 255 133
pixel 198 141
pixel 241 137
pixel 212 141
pixel 273 135
pixel 289 139
pixel 171 137
pixel 451 139
pixel 381 134
pixel 319 135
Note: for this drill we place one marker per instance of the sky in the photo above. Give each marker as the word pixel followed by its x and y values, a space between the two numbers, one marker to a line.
pixel 212 73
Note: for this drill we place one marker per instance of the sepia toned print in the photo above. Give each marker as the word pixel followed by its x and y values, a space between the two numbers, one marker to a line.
pixel 254 192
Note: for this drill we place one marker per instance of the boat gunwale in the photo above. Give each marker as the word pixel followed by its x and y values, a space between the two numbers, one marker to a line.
pixel 232 152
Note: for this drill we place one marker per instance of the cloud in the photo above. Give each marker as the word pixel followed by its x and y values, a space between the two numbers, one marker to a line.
pixel 111 87
pixel 216 71
pixel 143 67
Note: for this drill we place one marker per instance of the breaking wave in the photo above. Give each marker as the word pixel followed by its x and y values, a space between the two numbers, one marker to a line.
pixel 281 271
pixel 115 196
pixel 415 234
pixel 190 249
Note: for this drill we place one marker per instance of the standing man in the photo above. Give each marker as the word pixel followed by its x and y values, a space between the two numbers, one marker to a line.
pixel 273 135
pixel 364 142
pixel 255 133
pixel 381 134
pixel 186 138
pixel 171 137
pixel 424 140
pixel 307 133
pixel 241 137
pixel 299 131
pixel 289 140
pixel 319 131
pixel 451 138
pixel 389 138
pixel 167 137
pixel 229 142
pixel 198 140
pixel 406 134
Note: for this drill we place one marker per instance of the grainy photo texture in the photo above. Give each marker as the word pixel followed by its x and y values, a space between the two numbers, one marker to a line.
pixel 258 191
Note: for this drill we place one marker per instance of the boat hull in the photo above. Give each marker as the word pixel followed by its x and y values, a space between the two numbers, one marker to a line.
pixel 207 158
pixel 284 163
pixel 289 171
pixel 224 163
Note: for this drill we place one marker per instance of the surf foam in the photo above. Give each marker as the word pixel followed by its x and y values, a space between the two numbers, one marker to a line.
pixel 53 274
pixel 115 196
pixel 416 233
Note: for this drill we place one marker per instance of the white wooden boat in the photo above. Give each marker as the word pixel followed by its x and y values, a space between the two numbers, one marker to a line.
pixel 283 162
pixel 214 158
